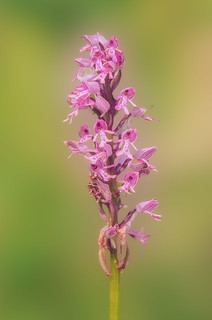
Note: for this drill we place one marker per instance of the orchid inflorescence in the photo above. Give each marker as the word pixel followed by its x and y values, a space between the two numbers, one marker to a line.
pixel 113 150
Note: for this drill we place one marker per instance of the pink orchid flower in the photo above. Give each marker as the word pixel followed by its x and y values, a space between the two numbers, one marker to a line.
pixel 128 137
pixel 100 129
pixel 99 169
pixel 125 96
pixel 129 182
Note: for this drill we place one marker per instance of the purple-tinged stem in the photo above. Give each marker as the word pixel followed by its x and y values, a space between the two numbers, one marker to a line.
pixel 113 211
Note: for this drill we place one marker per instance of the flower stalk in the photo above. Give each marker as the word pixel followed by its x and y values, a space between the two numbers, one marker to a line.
pixel 114 288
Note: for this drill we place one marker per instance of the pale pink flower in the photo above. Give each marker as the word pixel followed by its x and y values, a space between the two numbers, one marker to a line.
pixel 125 96
pixel 85 133
pixel 100 129
pixel 143 207
pixel 98 58
pixel 108 68
pixel 93 41
pixel 142 156
pixel 130 181
pixel 94 158
pixel 148 207
pixel 79 99
pixel 112 43
pixel 78 148
pixel 89 81
pixel 83 64
pixel 139 113
pixel 128 137
pixel 100 170
pixel 108 233
pixel 138 235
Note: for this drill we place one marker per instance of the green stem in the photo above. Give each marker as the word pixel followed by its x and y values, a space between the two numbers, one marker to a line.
pixel 114 289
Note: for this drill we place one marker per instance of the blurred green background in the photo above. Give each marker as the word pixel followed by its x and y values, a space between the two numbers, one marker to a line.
pixel 49 224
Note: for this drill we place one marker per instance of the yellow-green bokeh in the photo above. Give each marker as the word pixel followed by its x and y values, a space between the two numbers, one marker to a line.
pixel 49 224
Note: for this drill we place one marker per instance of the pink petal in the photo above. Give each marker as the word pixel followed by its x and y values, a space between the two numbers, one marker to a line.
pixel 102 104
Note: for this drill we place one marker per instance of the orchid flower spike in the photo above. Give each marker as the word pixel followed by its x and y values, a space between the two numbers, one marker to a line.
pixel 114 162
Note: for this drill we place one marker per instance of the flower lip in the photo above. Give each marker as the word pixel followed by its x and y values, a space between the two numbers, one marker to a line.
pixel 113 42
pixel 129 92
pixel 130 134
pixel 97 165
pixel 132 178
pixel 94 166
pixel 84 130
pixel 98 54
pixel 100 125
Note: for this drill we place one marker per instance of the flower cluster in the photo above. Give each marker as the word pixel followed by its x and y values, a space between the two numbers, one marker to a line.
pixel 113 150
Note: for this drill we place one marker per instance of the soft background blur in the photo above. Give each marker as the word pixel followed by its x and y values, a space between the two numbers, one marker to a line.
pixel 49 224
